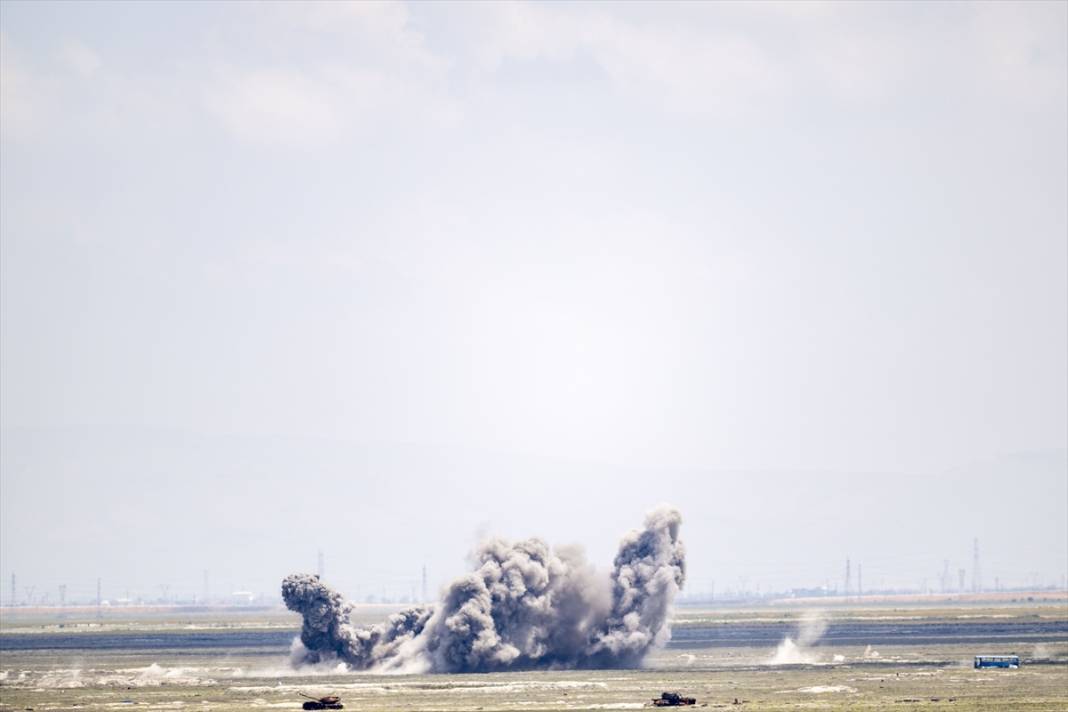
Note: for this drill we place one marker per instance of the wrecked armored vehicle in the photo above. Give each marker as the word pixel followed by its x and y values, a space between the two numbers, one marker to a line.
pixel 673 699
pixel 330 702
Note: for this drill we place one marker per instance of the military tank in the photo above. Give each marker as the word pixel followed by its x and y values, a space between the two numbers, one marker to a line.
pixel 330 702
pixel 673 699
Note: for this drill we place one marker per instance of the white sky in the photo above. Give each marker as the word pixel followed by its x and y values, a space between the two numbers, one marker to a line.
pixel 441 269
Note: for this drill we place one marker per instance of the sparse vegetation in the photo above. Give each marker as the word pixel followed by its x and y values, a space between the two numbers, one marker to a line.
pixel 928 676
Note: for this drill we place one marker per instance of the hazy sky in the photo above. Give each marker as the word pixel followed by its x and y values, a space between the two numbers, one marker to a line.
pixel 383 278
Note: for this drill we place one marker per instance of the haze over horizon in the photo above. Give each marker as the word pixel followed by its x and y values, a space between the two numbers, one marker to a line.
pixel 277 278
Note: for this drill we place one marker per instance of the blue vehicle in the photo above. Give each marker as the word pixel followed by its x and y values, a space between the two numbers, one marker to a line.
pixel 997 661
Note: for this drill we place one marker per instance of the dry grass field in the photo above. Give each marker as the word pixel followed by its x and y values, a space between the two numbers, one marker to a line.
pixel 223 661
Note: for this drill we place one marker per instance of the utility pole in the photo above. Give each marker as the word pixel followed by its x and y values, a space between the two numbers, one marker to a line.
pixel 848 577
pixel 99 600
pixel 977 581
pixel 960 579
pixel 945 575
pixel 424 599
pixel 860 580
pixel 207 590
pixel 12 602
pixel 63 595
pixel 321 567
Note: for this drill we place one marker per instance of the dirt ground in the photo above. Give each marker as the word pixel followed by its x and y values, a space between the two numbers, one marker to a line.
pixel 831 677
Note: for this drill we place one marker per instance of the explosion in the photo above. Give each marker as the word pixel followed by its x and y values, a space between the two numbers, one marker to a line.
pixel 525 606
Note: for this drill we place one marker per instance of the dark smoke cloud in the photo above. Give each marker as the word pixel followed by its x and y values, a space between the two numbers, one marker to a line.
pixel 525 606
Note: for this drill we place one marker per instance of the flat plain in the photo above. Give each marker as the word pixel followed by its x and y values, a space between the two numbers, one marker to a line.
pixel 868 658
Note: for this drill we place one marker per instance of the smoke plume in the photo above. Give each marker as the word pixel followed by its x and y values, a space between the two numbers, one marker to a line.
pixel 524 606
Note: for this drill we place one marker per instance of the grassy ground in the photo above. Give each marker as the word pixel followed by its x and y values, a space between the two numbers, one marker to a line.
pixel 860 687
pixel 853 678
